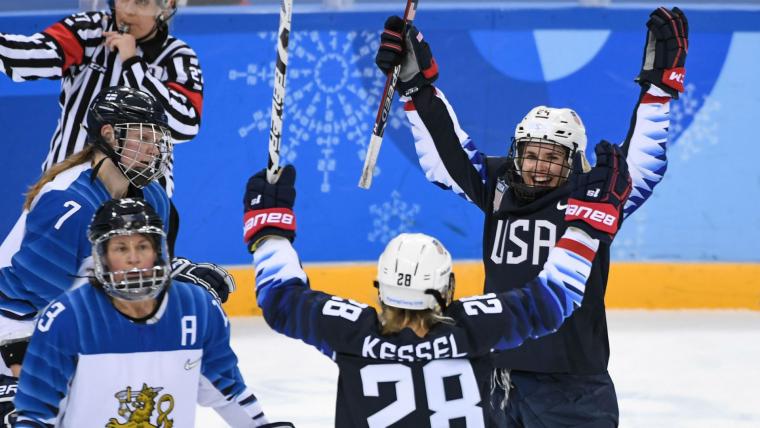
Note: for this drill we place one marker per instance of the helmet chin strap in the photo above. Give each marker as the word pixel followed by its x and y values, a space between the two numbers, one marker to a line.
pixel 111 154
pixel 438 298
pixel 104 147
pixel 96 169
pixel 156 26
pixel 160 20
pixel 149 35
pixel 157 23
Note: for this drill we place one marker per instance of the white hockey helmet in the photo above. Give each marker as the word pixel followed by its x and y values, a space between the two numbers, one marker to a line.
pixel 414 272
pixel 561 126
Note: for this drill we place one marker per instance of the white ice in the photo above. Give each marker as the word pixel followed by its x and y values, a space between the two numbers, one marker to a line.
pixel 690 369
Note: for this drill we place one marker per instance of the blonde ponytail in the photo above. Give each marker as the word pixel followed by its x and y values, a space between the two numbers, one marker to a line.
pixel 76 159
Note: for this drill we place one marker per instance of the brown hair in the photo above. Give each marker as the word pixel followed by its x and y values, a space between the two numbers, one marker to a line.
pixel 394 319
pixel 77 158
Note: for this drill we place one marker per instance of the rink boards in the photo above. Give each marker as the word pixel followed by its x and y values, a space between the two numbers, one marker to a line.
pixel 630 286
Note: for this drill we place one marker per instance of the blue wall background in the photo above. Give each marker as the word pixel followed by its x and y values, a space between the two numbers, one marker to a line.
pixel 495 65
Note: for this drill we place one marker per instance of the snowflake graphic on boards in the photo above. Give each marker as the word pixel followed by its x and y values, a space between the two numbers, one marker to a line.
pixel 703 129
pixel 326 100
pixel 391 218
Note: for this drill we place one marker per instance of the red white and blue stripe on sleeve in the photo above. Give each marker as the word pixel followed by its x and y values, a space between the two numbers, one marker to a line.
pixel 429 154
pixel 646 146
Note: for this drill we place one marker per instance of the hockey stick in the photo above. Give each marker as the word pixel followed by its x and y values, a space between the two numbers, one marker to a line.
pixel 384 109
pixel 278 95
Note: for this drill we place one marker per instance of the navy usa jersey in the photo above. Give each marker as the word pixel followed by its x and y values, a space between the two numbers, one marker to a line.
pixel 518 237
pixel 403 380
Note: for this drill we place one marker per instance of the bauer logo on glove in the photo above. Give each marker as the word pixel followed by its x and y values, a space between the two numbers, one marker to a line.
pixel 256 220
pixel 596 202
pixel 268 207
pixel 602 216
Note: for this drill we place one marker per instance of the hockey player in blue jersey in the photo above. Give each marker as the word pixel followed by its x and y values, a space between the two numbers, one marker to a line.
pixel 560 379
pixel 132 348
pixel 422 361
pixel 127 150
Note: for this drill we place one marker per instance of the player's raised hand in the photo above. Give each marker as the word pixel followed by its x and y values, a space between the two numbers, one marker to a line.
pixel 391 50
pixel 268 208
pixel 664 63
pixel 418 67
pixel 214 278
pixel 596 202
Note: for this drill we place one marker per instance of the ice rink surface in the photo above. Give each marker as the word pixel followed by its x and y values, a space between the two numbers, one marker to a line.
pixel 695 369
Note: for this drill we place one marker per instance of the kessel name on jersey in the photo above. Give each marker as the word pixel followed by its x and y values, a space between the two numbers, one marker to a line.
pixel 441 347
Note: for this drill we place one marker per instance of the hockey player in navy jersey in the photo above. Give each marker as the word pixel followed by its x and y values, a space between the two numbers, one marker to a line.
pixel 422 361
pixel 132 348
pixel 560 379
pixel 127 150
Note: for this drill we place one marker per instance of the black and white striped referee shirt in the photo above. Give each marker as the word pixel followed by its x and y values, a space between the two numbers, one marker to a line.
pixel 72 50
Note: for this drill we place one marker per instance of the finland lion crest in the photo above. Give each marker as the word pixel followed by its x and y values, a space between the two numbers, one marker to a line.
pixel 137 408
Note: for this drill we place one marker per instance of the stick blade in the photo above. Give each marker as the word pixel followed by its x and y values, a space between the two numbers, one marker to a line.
pixel 369 161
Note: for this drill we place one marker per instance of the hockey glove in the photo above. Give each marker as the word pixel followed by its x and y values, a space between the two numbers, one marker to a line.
pixel 8 388
pixel 391 50
pixel 214 278
pixel 665 51
pixel 418 67
pixel 598 196
pixel 268 208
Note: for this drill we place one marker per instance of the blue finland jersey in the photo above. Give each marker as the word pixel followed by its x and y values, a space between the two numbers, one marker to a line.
pixel 88 364
pixel 47 247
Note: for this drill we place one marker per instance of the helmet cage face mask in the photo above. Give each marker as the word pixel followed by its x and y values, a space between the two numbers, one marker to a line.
pixel 539 136
pixel 412 270
pixel 143 145
pixel 137 283
pixel 143 152
pixel 548 162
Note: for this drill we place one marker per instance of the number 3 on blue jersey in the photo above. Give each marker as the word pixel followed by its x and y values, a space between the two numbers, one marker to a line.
pixel 46 320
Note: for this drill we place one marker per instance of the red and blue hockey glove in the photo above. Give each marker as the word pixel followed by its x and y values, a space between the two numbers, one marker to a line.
pixel 598 196
pixel 268 208
pixel 214 278
pixel 418 67
pixel 664 63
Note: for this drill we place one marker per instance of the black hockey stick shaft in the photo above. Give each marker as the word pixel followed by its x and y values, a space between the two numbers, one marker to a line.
pixel 384 110
pixel 278 94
